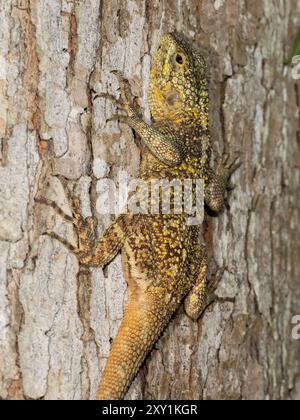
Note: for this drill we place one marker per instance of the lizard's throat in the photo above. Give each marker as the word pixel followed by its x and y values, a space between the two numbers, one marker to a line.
pixel 196 116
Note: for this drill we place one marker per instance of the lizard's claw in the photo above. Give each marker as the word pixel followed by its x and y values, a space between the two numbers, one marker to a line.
pixel 231 186
pixel 85 228
pixel 121 118
pixel 62 240
pixel 126 94
pixel 215 281
pixel 55 206
pixel 81 255
pixel 224 159
pixel 228 163
pixel 226 166
pixel 126 101
pixel 213 284
pixel 118 102
pixel 76 217
pixel 235 164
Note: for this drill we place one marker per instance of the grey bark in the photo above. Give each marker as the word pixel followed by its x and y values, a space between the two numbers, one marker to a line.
pixel 56 325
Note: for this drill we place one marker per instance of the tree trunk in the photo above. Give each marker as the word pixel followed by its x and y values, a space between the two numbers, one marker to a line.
pixel 56 324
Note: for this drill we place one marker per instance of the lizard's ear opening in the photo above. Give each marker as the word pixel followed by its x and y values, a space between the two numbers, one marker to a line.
pixel 179 59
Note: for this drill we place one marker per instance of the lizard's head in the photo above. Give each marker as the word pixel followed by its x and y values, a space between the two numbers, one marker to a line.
pixel 178 90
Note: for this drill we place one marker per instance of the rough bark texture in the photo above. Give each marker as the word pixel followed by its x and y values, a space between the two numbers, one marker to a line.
pixel 56 325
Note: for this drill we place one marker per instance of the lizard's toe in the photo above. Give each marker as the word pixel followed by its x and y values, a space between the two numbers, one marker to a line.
pixel 126 94
pixel 120 118
pixel 234 165
pixel 118 102
pixel 60 239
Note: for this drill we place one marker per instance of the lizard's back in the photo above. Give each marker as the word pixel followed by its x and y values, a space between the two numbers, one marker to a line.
pixel 157 257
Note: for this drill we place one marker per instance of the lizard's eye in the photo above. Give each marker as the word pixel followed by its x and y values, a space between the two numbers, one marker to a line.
pixel 179 59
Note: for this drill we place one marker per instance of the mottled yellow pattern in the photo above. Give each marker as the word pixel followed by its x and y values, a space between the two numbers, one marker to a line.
pixel 163 260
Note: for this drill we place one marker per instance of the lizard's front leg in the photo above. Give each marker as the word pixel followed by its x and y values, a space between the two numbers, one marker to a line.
pixel 218 182
pixel 164 145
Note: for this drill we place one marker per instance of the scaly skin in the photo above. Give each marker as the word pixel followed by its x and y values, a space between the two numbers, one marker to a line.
pixel 163 261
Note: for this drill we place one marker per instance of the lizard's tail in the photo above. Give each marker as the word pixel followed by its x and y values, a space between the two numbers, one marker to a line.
pixel 140 329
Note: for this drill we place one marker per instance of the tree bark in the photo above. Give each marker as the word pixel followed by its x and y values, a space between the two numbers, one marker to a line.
pixel 56 324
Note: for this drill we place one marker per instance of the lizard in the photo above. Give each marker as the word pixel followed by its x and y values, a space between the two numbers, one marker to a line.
pixel 164 262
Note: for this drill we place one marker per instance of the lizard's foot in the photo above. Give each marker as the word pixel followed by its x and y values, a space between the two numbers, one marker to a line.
pixel 212 286
pixel 126 95
pixel 84 228
pixel 203 293
pixel 226 166
pixel 126 102
pixel 62 240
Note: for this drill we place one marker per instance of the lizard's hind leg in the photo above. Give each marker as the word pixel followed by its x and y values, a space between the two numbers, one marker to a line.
pixel 85 228
pixel 91 252
pixel 202 294
pixel 196 299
